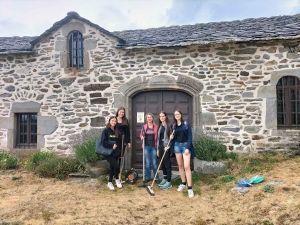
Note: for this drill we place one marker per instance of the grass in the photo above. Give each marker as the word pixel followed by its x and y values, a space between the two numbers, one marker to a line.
pixel 36 158
pixel 7 161
pixel 48 165
pixel 227 178
pixel 58 167
pixel 249 165
pixel 209 187
pixel 244 167
pixel 268 189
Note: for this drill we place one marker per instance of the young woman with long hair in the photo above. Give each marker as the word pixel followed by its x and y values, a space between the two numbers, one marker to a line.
pixel 163 134
pixel 123 126
pixel 184 151
pixel 110 138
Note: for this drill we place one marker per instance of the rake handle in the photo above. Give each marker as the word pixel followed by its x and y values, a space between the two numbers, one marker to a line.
pixel 161 161
pixel 121 158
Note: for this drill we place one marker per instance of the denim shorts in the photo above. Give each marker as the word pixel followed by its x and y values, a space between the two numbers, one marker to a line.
pixel 179 148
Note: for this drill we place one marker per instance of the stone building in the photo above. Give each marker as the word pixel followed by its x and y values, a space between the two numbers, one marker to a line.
pixel 238 78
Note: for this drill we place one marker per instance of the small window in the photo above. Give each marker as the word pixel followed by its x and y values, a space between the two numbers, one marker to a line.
pixel 26 130
pixel 76 50
pixel 288 103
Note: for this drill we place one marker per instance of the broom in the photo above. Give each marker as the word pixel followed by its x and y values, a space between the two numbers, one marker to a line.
pixel 150 188
pixel 143 185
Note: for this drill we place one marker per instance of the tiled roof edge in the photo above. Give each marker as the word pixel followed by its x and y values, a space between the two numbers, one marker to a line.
pixel 68 18
pixel 203 43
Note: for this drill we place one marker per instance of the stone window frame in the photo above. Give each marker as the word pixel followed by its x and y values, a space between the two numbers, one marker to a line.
pixel 29 132
pixel 62 46
pixel 79 51
pixel 287 102
pixel 46 125
pixel 268 94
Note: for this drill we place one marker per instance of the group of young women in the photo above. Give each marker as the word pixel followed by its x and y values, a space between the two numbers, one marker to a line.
pixel 157 140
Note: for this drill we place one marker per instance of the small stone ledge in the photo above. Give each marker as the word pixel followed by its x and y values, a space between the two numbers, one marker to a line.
pixel 213 167
pixel 100 167
pixel 78 175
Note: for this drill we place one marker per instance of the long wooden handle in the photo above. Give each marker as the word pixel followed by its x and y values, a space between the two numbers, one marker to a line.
pixel 162 158
pixel 122 145
pixel 170 139
pixel 121 158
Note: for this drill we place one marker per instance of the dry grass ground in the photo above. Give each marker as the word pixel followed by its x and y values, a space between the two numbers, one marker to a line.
pixel 26 198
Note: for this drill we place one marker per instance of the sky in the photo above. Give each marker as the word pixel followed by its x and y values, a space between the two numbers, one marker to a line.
pixel 33 17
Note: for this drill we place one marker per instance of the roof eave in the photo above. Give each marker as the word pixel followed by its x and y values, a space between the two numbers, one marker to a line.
pixel 16 52
pixel 203 43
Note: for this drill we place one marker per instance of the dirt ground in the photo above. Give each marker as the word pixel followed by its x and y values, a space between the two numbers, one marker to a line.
pixel 26 198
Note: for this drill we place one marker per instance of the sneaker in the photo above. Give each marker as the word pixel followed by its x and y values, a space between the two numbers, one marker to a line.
pixel 146 180
pixel 110 186
pixel 157 181
pixel 166 186
pixel 162 182
pixel 118 183
pixel 181 187
pixel 190 193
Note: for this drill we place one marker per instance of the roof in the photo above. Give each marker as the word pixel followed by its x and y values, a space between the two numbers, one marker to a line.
pixel 15 44
pixel 264 28
pixel 277 27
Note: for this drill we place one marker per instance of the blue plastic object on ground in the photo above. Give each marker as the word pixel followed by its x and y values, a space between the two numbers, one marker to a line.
pixel 244 183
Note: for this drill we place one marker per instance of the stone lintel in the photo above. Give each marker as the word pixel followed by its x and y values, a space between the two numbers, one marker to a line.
pixel 25 107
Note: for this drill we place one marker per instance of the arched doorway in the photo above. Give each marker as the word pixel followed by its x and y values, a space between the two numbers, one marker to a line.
pixel 155 102
pixel 129 90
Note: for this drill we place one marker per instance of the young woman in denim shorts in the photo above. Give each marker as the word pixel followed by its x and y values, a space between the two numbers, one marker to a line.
pixel 184 151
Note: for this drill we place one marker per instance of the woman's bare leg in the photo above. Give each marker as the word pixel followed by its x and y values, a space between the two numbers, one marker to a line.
pixel 187 168
pixel 179 159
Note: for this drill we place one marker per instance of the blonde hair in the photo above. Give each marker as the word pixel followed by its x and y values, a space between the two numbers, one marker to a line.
pixel 149 114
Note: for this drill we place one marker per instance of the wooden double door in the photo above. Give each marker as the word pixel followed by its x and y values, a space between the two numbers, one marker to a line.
pixel 154 102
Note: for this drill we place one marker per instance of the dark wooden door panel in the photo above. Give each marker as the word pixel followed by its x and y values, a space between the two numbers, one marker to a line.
pixel 154 102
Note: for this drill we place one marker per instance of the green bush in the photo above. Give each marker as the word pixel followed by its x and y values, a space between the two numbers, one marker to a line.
pixel 58 167
pixel 36 158
pixel 85 152
pixel 210 149
pixel 84 144
pixel 7 161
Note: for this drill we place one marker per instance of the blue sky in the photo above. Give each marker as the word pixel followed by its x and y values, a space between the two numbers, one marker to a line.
pixel 33 17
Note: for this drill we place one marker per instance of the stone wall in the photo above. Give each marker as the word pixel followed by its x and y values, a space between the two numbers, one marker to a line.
pixel 237 97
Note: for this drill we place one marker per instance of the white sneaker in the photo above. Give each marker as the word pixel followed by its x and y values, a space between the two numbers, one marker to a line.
pixel 118 183
pixel 110 186
pixel 181 187
pixel 190 193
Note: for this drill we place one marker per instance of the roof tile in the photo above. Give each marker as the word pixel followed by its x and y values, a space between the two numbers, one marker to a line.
pixel 276 27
